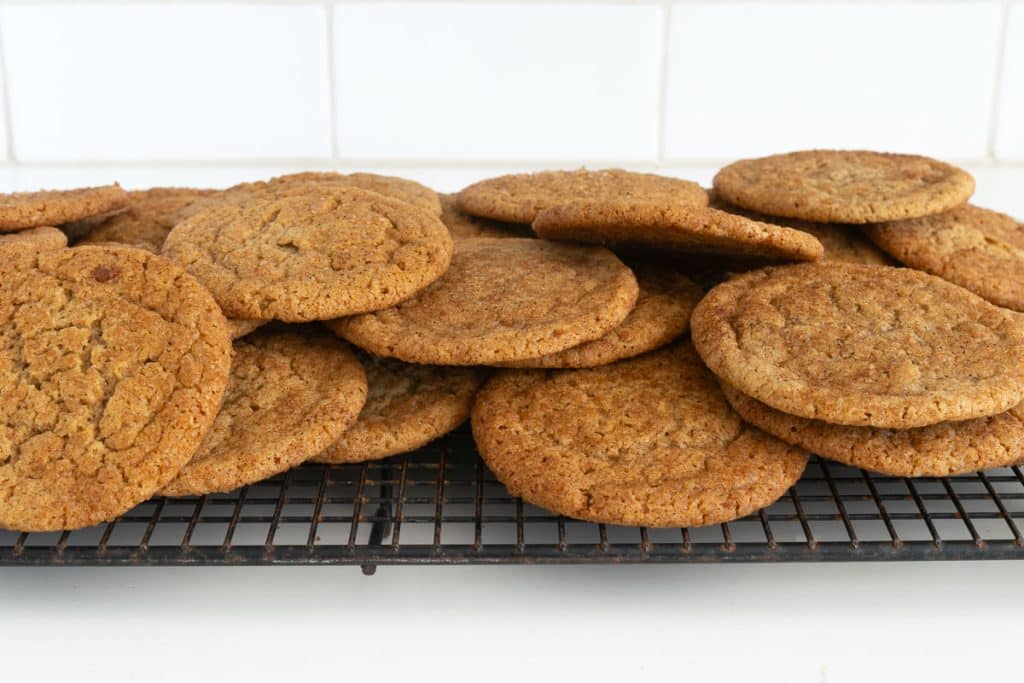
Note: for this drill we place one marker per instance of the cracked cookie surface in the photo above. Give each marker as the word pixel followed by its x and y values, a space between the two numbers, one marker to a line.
pixel 518 198
pixel 311 256
pixel 407 406
pixel 840 186
pixel 648 441
pixel 291 394
pixel 859 345
pixel 649 227
pixel 150 216
pixel 662 314
pixel 937 450
pixel 501 300
pixel 20 210
pixel 978 249
pixel 113 363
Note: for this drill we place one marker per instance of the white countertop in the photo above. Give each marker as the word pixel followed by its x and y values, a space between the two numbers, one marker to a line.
pixel 763 622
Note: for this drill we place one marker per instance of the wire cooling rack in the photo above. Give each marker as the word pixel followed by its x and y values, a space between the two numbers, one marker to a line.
pixel 440 505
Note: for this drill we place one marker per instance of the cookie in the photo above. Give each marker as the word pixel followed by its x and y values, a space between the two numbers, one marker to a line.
pixel 502 300
pixel 520 197
pixel 841 242
pixel 648 441
pixel 291 394
pixel 463 226
pixel 43 238
pixel 836 186
pixel 113 363
pixel 22 210
pixel 938 450
pixel 867 346
pixel 978 249
pixel 313 256
pixel 407 407
pixel 240 328
pixel 149 218
pixel 639 225
pixel 661 315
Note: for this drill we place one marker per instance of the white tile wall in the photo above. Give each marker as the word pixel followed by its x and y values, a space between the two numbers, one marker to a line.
pixel 750 79
pixel 500 84
pixel 1010 136
pixel 140 82
pixel 497 81
pixel 4 135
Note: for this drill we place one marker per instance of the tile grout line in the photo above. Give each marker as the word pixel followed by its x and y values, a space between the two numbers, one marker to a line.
pixel 997 89
pixel 332 87
pixel 6 94
pixel 666 32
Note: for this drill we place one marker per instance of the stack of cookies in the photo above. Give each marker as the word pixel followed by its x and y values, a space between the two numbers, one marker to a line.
pixel 195 341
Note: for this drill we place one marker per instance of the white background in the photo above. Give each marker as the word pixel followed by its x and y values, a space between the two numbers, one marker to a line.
pixel 205 94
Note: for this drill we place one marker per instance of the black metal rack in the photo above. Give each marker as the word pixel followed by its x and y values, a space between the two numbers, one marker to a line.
pixel 440 505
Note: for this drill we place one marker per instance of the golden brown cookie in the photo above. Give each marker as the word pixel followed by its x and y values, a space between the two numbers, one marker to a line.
pixel 43 238
pixel 113 363
pixel 502 300
pixel 837 186
pixel 644 226
pixel 520 197
pixel 841 242
pixel 22 210
pixel 648 441
pixel 150 216
pixel 240 328
pixel 938 450
pixel 978 249
pixel 313 256
pixel 407 407
pixel 292 393
pixel 858 345
pixel 661 315
pixel 463 226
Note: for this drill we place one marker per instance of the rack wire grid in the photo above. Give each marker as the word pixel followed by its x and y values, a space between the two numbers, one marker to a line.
pixel 440 505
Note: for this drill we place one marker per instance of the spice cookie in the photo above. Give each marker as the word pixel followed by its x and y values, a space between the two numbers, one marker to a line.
pixel 648 441
pixel 240 328
pixel 502 300
pixel 150 216
pixel 866 346
pixel 520 197
pixel 291 394
pixel 463 226
pixel 113 363
pixel 645 226
pixel 836 186
pixel 311 256
pixel 661 315
pixel 978 249
pixel 407 407
pixel 22 210
pixel 43 238
pixel 938 450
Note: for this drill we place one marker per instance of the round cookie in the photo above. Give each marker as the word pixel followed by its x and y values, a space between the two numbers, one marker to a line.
pixel 150 216
pixel 22 210
pixel 43 238
pixel 502 300
pixel 661 315
pixel 938 450
pixel 642 225
pixel 113 362
pixel 978 249
pixel 407 407
pixel 463 226
pixel 291 394
pixel 841 242
pixel 311 256
pixel 858 345
pixel 518 198
pixel 837 186
pixel 648 441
